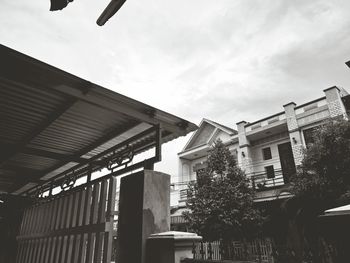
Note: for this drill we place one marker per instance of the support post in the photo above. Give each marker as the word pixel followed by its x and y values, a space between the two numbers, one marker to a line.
pixel 144 209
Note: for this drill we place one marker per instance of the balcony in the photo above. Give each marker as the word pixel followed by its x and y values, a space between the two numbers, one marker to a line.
pixel 261 181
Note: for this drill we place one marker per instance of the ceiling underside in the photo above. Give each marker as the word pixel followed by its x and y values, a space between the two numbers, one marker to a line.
pixel 51 120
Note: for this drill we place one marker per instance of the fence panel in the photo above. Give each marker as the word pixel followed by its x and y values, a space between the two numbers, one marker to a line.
pixel 257 250
pixel 75 226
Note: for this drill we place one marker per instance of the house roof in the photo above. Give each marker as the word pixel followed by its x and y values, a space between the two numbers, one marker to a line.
pixel 223 127
pixel 52 121
pixel 192 141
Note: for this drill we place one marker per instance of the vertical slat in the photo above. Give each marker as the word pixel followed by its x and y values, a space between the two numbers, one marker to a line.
pixel 37 219
pixel 48 216
pixel 29 216
pixel 69 210
pixel 59 212
pixel 38 250
pixel 107 253
pixel 43 250
pixel 63 215
pixel 46 255
pixel 23 251
pixel 20 251
pixel 57 248
pixel 94 203
pixel 65 240
pixel 24 221
pixel 54 214
pixel 30 251
pixel 53 250
pixel 90 247
pixel 81 208
pixel 82 249
pixel 44 217
pixel 102 204
pixel 75 209
pixel 87 205
pixel 98 247
pixel 70 245
pixel 75 250
pixel 108 239
pixel 31 221
pixel 26 250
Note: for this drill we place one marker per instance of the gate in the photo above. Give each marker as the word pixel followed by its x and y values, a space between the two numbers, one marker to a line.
pixel 74 226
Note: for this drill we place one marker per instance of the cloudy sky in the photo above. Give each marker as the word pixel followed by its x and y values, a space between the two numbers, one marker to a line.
pixel 226 60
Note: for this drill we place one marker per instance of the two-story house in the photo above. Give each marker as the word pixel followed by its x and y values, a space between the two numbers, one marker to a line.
pixel 268 150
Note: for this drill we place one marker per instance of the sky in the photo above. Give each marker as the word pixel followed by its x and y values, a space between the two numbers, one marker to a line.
pixel 227 60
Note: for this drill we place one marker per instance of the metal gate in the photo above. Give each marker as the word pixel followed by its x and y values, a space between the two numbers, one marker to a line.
pixel 74 226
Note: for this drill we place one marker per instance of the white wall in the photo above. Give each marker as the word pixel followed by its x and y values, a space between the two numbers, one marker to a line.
pixel 258 162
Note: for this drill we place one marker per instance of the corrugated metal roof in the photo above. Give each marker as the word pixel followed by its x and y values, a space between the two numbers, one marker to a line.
pixel 51 120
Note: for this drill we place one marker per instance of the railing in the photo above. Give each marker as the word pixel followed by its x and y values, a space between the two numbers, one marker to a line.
pixel 183 195
pixel 257 250
pixel 260 181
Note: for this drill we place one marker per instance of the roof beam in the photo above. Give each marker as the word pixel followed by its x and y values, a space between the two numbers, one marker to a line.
pixel 114 133
pixel 53 155
pixel 37 130
pixel 122 107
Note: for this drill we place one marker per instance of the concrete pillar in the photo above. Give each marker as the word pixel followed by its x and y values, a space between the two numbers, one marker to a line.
pixel 171 247
pixel 144 209
pixel 334 102
pixel 294 132
pixel 244 154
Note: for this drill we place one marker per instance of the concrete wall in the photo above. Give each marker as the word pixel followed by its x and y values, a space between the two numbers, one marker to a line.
pixel 258 162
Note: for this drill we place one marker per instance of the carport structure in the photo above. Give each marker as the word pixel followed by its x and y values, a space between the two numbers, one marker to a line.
pixel 55 129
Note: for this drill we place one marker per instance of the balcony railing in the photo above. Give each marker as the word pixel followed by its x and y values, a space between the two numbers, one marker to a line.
pixel 259 181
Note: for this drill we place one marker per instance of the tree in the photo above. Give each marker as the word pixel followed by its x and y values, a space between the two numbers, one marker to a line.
pixel 324 175
pixel 321 182
pixel 221 200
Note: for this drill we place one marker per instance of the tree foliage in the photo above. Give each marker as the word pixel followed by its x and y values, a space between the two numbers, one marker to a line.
pixel 325 171
pixel 221 200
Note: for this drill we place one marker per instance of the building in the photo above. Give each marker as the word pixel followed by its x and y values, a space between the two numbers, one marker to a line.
pixel 268 150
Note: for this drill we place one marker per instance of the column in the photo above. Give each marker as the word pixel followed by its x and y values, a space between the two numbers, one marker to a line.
pixel 334 102
pixel 244 154
pixel 294 132
pixel 144 209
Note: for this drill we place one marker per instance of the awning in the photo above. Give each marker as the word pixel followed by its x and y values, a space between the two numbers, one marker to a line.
pixel 338 211
pixel 51 121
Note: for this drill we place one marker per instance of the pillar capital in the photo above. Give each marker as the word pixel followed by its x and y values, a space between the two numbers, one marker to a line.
pixel 171 246
pixel 334 102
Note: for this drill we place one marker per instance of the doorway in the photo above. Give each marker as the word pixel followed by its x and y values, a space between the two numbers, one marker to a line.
pixel 287 161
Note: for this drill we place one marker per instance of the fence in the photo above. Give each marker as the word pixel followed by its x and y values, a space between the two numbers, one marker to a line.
pixel 257 250
pixel 75 226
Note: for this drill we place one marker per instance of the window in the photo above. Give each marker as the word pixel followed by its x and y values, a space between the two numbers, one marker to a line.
pixel 270 172
pixel 267 153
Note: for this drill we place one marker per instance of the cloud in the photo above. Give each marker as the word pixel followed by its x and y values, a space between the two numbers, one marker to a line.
pixel 225 60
